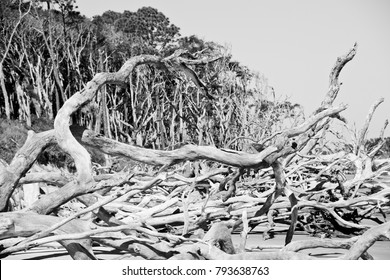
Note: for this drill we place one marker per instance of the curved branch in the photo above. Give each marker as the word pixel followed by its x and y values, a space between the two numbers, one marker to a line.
pixel 367 240
pixel 187 152
pixel 63 134
pixel 192 152
pixel 313 120
pixel 319 243
pixel 363 131
pixel 334 85
pixel 21 163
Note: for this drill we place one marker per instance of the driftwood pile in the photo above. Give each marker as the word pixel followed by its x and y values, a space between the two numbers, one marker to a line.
pixel 188 201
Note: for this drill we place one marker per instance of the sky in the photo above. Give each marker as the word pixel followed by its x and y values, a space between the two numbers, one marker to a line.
pixel 294 44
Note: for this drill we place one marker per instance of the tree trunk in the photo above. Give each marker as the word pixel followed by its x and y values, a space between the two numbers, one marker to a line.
pixel 5 93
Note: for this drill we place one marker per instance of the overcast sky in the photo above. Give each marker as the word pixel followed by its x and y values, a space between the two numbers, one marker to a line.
pixel 293 43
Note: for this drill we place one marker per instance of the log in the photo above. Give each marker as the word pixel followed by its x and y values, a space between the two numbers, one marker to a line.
pixel 184 153
pixel 22 162
pixel 219 236
pixel 26 224
pixel 192 152
pixel 366 240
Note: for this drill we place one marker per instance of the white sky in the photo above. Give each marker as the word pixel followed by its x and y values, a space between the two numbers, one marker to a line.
pixel 293 43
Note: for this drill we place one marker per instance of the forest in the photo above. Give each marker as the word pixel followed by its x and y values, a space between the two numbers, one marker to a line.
pixel 119 132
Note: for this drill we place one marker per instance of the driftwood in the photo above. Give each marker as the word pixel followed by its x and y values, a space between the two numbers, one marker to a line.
pixel 165 214
pixel 27 224
pixel 22 162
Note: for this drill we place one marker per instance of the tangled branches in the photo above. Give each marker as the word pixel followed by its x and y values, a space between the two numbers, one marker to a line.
pixel 194 197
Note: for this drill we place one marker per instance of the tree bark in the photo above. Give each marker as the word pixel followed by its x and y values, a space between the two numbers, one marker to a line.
pixel 5 93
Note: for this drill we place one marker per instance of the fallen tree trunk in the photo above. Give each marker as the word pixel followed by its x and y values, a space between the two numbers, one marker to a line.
pixel 26 224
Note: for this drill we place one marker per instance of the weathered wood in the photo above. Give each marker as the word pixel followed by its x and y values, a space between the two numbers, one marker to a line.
pixel 22 162
pixel 363 132
pixel 219 236
pixel 26 224
pixel 213 253
pixel 192 152
pixel 366 240
pixel 293 177
pixel 186 152
pixel 334 84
